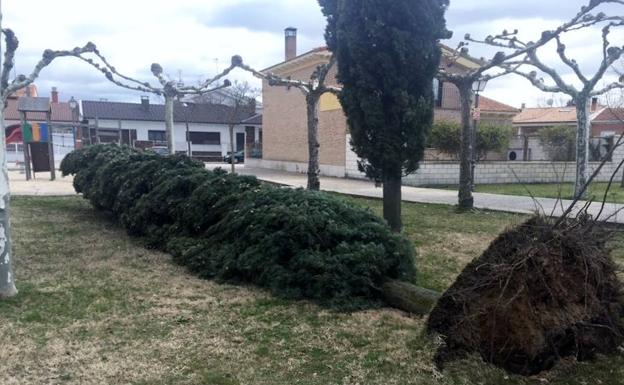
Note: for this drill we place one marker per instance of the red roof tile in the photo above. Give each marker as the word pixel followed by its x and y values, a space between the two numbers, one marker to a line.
pixel 490 105
pixel 61 112
pixel 611 115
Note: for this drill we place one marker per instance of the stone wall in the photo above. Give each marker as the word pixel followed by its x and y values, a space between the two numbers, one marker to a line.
pixel 447 173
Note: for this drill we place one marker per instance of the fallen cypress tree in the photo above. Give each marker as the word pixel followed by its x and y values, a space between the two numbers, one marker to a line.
pixel 296 243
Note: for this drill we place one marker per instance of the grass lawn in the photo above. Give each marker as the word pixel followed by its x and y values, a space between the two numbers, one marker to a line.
pixel 95 307
pixel 552 190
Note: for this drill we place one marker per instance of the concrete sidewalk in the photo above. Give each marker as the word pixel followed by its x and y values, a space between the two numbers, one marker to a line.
pixel 506 203
pixel 41 185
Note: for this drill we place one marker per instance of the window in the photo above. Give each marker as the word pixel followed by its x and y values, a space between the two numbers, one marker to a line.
pixel 438 91
pixel 209 138
pixel 157 136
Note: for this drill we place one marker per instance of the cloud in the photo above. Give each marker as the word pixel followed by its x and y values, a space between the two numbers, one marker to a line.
pixel 196 38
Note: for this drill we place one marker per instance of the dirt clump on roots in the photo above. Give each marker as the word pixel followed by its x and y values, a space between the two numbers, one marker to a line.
pixel 539 293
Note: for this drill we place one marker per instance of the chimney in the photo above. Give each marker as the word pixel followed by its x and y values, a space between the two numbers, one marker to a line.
pixel 523 106
pixel 291 43
pixel 55 96
pixel 594 105
pixel 145 103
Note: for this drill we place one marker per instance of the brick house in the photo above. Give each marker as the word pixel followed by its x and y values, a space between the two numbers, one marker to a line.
pixel 284 139
pixel 608 122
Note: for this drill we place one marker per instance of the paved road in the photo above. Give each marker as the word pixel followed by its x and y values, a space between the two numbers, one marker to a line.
pixel 507 203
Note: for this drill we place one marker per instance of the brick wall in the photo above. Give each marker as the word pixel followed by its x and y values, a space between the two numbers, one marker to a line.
pixel 285 135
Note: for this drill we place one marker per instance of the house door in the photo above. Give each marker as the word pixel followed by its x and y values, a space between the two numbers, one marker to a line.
pixel 240 141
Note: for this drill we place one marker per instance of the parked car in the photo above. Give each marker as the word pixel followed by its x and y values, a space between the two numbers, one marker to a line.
pixel 160 150
pixel 239 157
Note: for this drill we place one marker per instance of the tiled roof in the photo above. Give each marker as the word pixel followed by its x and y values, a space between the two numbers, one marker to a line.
pixel 61 112
pixel 193 113
pixel 491 105
pixel 256 120
pixel 611 115
pixel 546 115
pixel 325 50
pixel 317 50
pixel 29 104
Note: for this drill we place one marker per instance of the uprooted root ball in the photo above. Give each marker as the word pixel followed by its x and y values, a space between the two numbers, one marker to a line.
pixel 537 294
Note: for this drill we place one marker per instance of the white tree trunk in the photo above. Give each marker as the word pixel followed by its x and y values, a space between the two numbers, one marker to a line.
pixel 466 200
pixel 582 144
pixel 314 182
pixel 169 124
pixel 7 282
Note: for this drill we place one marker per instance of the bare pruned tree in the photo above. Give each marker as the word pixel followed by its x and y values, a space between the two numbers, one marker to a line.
pixel 312 89
pixel 588 17
pixel 8 87
pixel 170 89
pixel 242 101
pixel 514 53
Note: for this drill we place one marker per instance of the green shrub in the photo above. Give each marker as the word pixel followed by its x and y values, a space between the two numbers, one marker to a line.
pixel 559 142
pixel 445 136
pixel 296 243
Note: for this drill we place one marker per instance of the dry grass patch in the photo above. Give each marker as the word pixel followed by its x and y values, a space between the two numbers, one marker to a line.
pixel 96 307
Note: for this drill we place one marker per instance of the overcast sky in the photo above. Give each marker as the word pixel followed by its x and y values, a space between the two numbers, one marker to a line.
pixel 195 38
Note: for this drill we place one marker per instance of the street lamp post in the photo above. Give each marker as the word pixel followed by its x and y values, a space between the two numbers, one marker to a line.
pixel 188 134
pixel 77 131
pixel 477 87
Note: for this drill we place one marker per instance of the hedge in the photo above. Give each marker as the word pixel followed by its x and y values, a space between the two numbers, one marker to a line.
pixel 296 243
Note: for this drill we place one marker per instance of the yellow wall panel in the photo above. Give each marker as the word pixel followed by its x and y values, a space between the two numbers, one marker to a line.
pixel 329 102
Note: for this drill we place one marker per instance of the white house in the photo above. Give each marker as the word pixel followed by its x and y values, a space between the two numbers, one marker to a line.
pixel 142 124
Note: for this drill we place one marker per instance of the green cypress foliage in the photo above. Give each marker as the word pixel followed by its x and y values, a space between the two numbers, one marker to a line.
pixel 296 243
pixel 388 55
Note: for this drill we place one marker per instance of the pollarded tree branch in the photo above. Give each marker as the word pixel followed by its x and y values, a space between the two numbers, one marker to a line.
pixel 23 81
pixel 564 87
pixel 276 81
pixel 561 50
pixel 312 90
pixel 509 40
pixel 538 82
pixel 9 57
pixel 111 76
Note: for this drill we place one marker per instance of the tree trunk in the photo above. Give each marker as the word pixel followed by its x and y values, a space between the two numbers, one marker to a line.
pixel 7 282
pixel 409 298
pixel 392 201
pixel 232 158
pixel 169 124
pixel 582 144
pixel 314 182
pixel 466 200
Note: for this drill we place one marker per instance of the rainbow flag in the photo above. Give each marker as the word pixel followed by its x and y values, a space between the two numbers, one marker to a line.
pixel 35 132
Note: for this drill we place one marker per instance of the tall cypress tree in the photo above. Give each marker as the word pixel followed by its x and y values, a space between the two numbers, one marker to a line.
pixel 388 55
